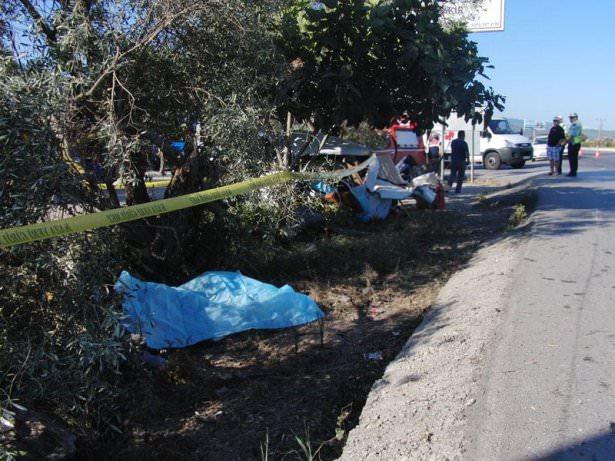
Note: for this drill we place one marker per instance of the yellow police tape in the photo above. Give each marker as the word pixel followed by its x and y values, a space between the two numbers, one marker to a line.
pixel 60 227
pixel 77 168
pixel 148 184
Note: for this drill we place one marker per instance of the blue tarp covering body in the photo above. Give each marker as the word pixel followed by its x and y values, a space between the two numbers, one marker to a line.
pixel 211 306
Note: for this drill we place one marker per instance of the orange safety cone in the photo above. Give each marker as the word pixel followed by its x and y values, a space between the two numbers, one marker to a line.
pixel 597 154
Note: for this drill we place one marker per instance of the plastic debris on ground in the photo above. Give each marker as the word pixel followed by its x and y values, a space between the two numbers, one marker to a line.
pixel 383 178
pixel 424 193
pixel 372 205
pixel 429 179
pixel 383 184
pixel 373 356
pixel 323 187
pixel 425 190
pixel 211 306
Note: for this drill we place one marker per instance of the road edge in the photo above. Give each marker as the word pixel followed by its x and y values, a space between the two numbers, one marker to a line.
pixel 419 408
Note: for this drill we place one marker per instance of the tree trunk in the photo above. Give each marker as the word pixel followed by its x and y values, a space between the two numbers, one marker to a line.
pixel 176 232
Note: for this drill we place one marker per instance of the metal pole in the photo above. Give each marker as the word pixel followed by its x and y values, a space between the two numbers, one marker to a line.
pixel 600 125
pixel 443 154
pixel 473 150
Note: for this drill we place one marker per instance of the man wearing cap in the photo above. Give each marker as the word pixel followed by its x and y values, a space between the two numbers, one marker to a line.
pixel 555 141
pixel 574 138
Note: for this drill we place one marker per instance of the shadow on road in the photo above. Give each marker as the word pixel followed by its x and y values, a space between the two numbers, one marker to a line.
pixel 575 204
pixel 598 448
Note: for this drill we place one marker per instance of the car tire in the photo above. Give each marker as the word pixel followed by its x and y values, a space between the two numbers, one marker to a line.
pixel 492 161
pixel 518 165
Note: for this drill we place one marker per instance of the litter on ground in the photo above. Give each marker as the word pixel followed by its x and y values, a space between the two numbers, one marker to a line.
pixel 384 184
pixel 373 356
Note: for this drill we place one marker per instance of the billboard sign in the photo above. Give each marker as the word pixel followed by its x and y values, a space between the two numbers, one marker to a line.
pixel 479 15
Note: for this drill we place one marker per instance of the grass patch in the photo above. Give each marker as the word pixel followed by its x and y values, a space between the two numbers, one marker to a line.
pixel 518 216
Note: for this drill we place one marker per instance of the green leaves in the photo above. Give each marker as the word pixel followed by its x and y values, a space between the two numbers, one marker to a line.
pixel 370 60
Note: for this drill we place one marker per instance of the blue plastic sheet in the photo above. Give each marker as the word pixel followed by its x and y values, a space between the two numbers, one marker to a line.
pixel 323 187
pixel 211 306
pixel 178 145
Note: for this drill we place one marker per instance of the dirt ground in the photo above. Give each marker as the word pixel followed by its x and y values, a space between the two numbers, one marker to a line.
pixel 279 394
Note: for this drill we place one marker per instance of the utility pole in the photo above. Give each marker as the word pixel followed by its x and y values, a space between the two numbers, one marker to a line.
pixel 600 125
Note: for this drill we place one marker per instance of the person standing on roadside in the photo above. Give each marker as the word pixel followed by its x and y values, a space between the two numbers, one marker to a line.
pixel 433 153
pixel 574 138
pixel 555 141
pixel 562 148
pixel 460 154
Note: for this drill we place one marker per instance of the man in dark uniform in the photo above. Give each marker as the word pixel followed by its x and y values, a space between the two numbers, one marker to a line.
pixel 460 154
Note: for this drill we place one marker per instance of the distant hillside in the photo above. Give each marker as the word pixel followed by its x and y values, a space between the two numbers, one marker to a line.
pixel 517 125
pixel 593 134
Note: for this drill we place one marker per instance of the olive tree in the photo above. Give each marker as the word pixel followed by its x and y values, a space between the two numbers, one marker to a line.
pixel 103 80
pixel 107 81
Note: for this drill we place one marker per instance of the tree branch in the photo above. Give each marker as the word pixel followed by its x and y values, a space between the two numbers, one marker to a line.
pixel 49 32
pixel 151 36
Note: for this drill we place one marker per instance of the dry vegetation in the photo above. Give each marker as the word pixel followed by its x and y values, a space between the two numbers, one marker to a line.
pixel 223 400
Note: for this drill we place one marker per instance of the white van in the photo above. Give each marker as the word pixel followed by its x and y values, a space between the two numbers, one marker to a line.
pixel 448 132
pixel 499 144
pixel 496 146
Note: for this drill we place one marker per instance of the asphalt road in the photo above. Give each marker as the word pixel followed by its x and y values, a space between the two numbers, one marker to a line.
pixel 549 392
pixel 530 169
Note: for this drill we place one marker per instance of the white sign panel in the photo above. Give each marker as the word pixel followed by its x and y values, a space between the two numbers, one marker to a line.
pixel 479 15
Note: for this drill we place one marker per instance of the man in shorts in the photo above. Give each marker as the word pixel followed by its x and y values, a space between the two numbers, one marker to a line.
pixel 556 138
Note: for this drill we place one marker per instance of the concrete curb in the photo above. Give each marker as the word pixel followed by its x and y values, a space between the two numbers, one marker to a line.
pixel 420 407
pixel 418 410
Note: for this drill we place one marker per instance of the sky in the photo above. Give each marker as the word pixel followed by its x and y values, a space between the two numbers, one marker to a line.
pixel 555 57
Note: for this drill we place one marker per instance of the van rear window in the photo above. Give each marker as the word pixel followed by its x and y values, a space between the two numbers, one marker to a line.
pixel 407 139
